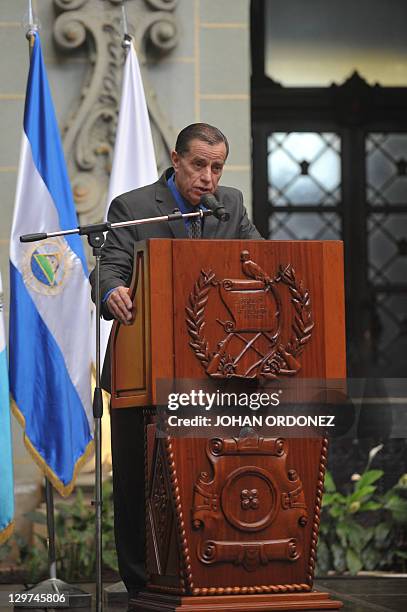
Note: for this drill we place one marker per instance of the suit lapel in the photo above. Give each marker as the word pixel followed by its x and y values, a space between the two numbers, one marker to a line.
pixel 166 204
pixel 210 227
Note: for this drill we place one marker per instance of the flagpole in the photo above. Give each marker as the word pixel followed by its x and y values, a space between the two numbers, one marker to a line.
pixel 96 241
pixel 127 39
pixel 32 28
pixel 49 501
pixel 49 496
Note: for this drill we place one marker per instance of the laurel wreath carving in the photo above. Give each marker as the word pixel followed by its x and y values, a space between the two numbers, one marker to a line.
pixel 303 321
pixel 283 360
pixel 195 315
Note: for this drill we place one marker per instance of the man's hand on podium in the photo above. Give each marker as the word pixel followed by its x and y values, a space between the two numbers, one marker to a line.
pixel 121 306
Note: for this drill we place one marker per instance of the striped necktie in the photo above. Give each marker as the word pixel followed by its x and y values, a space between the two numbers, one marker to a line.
pixel 195 228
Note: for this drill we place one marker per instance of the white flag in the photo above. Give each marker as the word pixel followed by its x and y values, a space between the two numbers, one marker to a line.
pixel 134 163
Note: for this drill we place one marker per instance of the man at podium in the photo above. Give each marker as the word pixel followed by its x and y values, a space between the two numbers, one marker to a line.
pixel 198 160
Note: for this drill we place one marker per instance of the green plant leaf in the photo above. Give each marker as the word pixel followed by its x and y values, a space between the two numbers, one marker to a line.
pixel 370 558
pixel 323 558
pixel 36 517
pixel 337 511
pixel 329 484
pixel 398 508
pixel 324 527
pixel 361 493
pixel 401 553
pixel 358 536
pixel 382 530
pixel 370 506
pixel 402 482
pixel 42 539
pixel 342 532
pixel 110 559
pixel 330 499
pixel 353 561
pixel 381 534
pixel 338 557
pixel 368 478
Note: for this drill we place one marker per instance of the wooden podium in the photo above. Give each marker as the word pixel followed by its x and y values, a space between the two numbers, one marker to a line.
pixel 232 522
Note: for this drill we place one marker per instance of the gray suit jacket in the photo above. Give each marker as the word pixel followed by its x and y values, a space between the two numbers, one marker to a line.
pixel 151 201
pixel 157 200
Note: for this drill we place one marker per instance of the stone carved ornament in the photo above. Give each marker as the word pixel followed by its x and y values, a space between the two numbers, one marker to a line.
pixel 89 135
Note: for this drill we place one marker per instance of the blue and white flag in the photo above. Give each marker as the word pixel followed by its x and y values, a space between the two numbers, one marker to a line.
pixel 6 454
pixel 50 353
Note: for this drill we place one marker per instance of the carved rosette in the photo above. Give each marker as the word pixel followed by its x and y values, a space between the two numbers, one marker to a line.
pixel 241 508
pixel 89 134
pixel 249 499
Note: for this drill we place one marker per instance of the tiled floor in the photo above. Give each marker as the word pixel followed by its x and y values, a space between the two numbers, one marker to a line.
pixel 358 594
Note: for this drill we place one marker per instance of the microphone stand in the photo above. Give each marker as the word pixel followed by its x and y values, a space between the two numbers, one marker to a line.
pixel 96 239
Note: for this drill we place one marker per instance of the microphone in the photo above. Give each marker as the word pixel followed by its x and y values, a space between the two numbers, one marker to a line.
pixel 211 203
pixel 33 237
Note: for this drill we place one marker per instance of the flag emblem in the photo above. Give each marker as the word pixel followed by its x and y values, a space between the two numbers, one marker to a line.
pixel 46 267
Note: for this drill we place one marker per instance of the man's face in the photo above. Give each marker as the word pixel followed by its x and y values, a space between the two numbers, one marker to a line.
pixel 199 170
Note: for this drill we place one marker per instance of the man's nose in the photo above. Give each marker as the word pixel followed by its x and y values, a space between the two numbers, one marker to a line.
pixel 206 174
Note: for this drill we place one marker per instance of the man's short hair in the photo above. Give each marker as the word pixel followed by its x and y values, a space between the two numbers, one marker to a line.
pixel 199 131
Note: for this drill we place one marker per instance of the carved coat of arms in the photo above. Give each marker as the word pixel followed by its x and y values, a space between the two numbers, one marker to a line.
pixel 251 346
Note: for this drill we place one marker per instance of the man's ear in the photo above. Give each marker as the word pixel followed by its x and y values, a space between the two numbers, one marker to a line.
pixel 175 159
